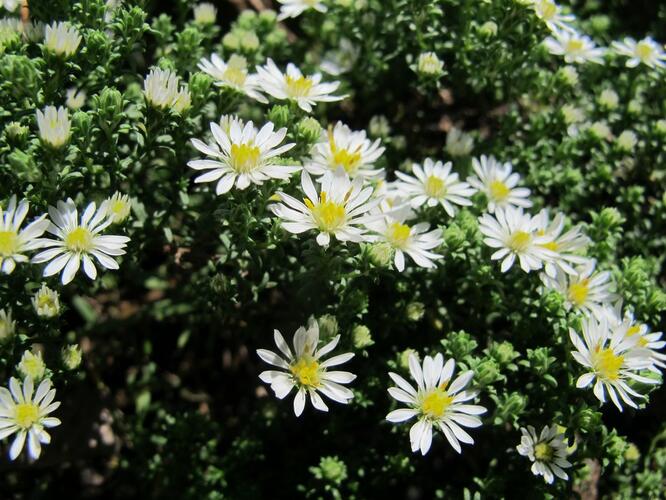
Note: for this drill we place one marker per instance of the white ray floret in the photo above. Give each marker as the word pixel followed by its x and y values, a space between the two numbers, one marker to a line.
pixel 497 181
pixel 78 240
pixel 54 126
pixel 292 85
pixel 233 74
pixel 340 209
pixel 551 14
pixel 574 47
pixel 242 154
pixel 14 241
pixel 547 451
pixel 61 39
pixel 645 51
pixel 513 233
pixel 434 184
pixel 437 401
pixel 611 359
pixel 340 147
pixel 25 413
pixel 294 8
pixel 305 369
pixel 566 248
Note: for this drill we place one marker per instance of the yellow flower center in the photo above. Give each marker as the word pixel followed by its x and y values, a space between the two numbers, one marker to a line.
pixel 578 292
pixel 519 241
pixel 543 452
pixel 328 214
pixel 643 51
pixel 633 330
pixel 606 363
pixel 573 46
pixel 234 76
pixel 398 234
pixel 299 86
pixel 346 159
pixel 26 415
pixel 8 242
pixel 498 190
pixel 551 245
pixel 306 371
pixel 33 366
pixel 45 300
pixel 435 403
pixel 79 240
pixel 435 187
pixel 244 157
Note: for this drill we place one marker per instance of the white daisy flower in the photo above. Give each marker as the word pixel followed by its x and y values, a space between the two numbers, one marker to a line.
pixel 566 247
pixel 78 240
pixel 306 91
pixel 118 207
pixel 574 47
pixel 514 234
pixel 584 291
pixel 645 51
pixel 233 74
pixel 294 8
pixel 25 416
pixel 547 450
pixel 31 365
pixel 611 358
pixel 14 242
pixel 54 126
pixel 434 184
pixel 161 90
pixel 415 241
pixel 498 183
pixel 436 401
pixel 551 14
pixel 340 147
pixel 46 302
pixel 243 154
pixel 61 39
pixel 305 369
pixel 340 209
pixel 458 143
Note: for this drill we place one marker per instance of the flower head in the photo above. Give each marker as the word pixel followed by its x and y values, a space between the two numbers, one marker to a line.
pixel 161 90
pixel 7 325
pixel 31 365
pixel 233 74
pixel 514 234
pixel 54 126
pixel 76 98
pixel 645 51
pixel 547 450
pixel 340 147
pixel 551 14
pixel 14 241
pixel 205 13
pixel 118 207
pixel 434 184
pixel 498 183
pixel 458 143
pixel 429 64
pixel 27 416
pixel 340 208
pixel 294 8
pixel 305 369
pixel 436 401
pixel 78 240
pixel 610 358
pixel 46 302
pixel 574 47
pixel 61 39
pixel 565 248
pixel 306 91
pixel 242 154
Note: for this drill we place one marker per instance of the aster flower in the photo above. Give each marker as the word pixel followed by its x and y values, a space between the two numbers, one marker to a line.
pixel 645 51
pixel 7 325
pixel 25 416
pixel 428 64
pixel 434 184
pixel 413 240
pixel 31 365
pixel 118 207
pixel 233 74
pixel 205 13
pixel 514 234
pixel 498 183
pixel 14 241
pixel 61 39
pixel 340 147
pixel 78 240
pixel 294 8
pixel 435 402
pixel 305 369
pixel 306 91
pixel 161 90
pixel 54 126
pixel 340 209
pixel 458 143
pixel 547 451
pixel 551 14
pixel 611 359
pixel 566 247
pixel 46 302
pixel 584 291
pixel 574 47
pixel 242 154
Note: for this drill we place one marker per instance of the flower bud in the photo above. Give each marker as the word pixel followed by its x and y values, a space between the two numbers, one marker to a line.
pixel 71 356
pixel 46 302
pixel 31 365
pixel 328 326
pixel 362 337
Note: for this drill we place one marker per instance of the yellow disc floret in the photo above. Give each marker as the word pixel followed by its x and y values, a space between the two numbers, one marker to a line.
pixel 298 86
pixel 543 452
pixel 8 242
pixel 79 239
pixel 306 371
pixel 26 415
pixel 498 190
pixel 328 214
pixel 398 234
pixel 244 157
pixel 435 187
pixel 435 402
pixel 519 241
pixel 606 363
pixel 578 292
